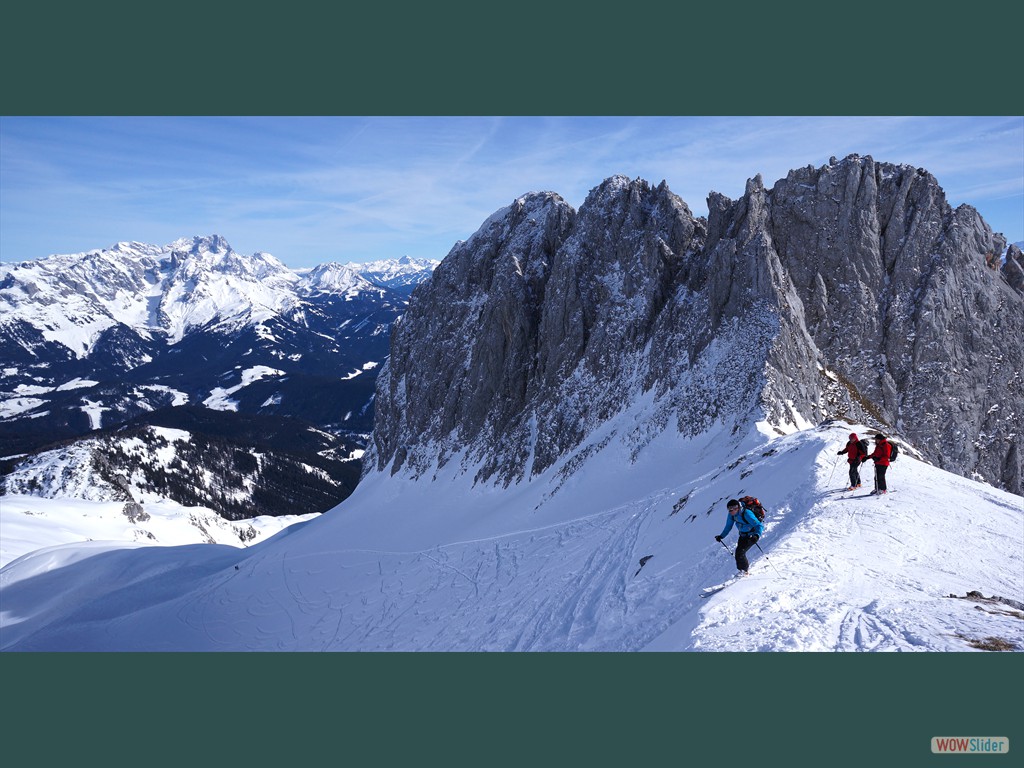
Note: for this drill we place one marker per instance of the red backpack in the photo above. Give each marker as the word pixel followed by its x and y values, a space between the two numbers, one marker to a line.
pixel 751 503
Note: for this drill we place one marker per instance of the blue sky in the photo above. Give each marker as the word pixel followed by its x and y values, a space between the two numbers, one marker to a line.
pixel 315 189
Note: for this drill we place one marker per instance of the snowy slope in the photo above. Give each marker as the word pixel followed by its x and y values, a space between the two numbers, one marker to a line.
pixel 440 564
pixel 32 523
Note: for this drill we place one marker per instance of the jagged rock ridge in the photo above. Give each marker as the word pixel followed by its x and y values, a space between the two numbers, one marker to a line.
pixel 852 290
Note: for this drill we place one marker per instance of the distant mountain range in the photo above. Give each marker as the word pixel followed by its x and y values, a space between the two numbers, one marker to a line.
pixel 94 340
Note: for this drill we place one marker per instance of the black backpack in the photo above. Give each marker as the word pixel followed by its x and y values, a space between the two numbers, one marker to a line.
pixel 894 451
pixel 751 503
pixel 865 447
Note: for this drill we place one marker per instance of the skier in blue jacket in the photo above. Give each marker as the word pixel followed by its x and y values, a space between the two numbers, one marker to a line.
pixel 748 527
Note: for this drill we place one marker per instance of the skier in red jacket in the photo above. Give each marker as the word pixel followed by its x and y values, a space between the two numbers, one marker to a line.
pixel 881 458
pixel 855 455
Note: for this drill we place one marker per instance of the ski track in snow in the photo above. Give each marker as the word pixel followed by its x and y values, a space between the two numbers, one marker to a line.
pixel 498 584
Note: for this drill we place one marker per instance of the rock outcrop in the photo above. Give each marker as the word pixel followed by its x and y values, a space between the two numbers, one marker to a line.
pixel 852 290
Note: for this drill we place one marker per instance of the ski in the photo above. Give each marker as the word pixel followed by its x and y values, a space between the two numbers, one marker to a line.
pixel 714 590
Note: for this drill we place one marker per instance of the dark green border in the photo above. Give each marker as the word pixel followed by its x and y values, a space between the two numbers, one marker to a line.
pixel 523 57
pixel 506 709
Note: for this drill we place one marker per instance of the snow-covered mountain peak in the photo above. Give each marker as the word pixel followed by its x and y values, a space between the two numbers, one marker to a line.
pixel 199 244
pixel 341 279
pixel 615 185
pixel 167 291
pixel 214 254
pixel 212 282
pixel 129 249
pixel 527 206
pixel 401 274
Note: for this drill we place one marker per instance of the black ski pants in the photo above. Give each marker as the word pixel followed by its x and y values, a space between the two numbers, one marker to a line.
pixel 880 477
pixel 854 474
pixel 747 540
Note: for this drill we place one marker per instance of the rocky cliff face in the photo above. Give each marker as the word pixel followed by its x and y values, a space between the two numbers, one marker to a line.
pixel 906 300
pixel 851 290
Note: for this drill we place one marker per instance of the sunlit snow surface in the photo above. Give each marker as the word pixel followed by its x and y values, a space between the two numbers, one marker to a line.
pixel 30 523
pixel 438 564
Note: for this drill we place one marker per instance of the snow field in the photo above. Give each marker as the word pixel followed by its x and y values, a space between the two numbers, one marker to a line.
pixel 441 565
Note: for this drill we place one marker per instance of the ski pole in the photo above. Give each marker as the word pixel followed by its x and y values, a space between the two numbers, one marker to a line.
pixel 767 558
pixel 725 545
pixel 834 466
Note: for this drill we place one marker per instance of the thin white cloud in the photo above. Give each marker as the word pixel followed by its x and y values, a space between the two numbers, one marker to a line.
pixel 316 189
